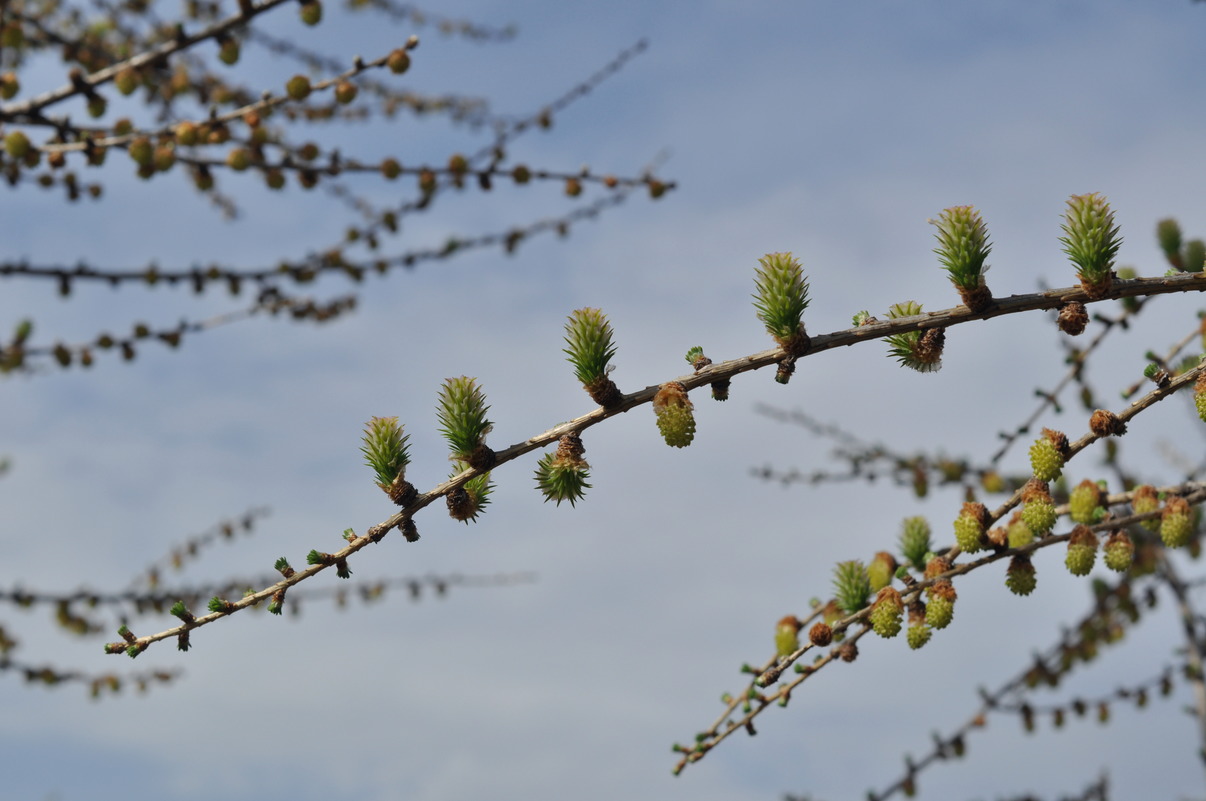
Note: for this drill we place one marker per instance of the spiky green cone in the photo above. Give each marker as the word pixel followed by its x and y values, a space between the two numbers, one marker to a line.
pixel 969 527
pixel 1119 552
pixel 1199 396
pixel 1145 499
pixel 462 415
pixel 386 450
pixel 963 247
pixel 851 587
pixel 887 615
pixel 561 482
pixel 1084 503
pixel 561 476
pixel 915 541
pixel 1039 516
pixel 588 335
pixel 917 350
pixel 787 636
pixel 675 418
pixel 1082 551
pixel 467 501
pixel 1018 533
pixel 1176 522
pixel 780 300
pixel 1092 241
pixel 918 635
pixel 940 607
pixel 1168 234
pixel 1020 577
pixel 1046 459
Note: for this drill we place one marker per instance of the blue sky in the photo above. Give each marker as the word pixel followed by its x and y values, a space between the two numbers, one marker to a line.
pixel 831 130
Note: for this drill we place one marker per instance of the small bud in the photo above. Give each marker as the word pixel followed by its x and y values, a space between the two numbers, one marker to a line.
pixel 298 87
pixel 398 61
pixel 10 85
pixel 391 169
pixel 1105 423
pixel 881 570
pixel 787 636
pixel 345 92
pixel 238 159
pixel 1168 234
pixel 1073 318
pixel 186 133
pixel 126 82
pixel 165 157
pixel 228 52
pixel 97 106
pixel 427 181
pixel 1195 255
pixel 141 151
pixel 310 12
pixel 16 144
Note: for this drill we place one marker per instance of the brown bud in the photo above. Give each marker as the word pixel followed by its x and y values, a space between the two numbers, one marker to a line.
pixel 1105 423
pixel 820 634
pixel 1073 317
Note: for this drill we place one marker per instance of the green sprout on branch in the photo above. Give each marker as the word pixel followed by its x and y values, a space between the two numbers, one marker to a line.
pixel 588 336
pixel 1092 241
pixel 462 415
pixel 962 248
pixel 851 586
pixel 387 452
pixel 780 300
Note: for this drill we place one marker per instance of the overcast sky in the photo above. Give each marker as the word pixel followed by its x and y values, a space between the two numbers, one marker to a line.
pixel 833 130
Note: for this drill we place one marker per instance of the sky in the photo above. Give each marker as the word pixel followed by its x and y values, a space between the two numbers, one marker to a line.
pixel 832 130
